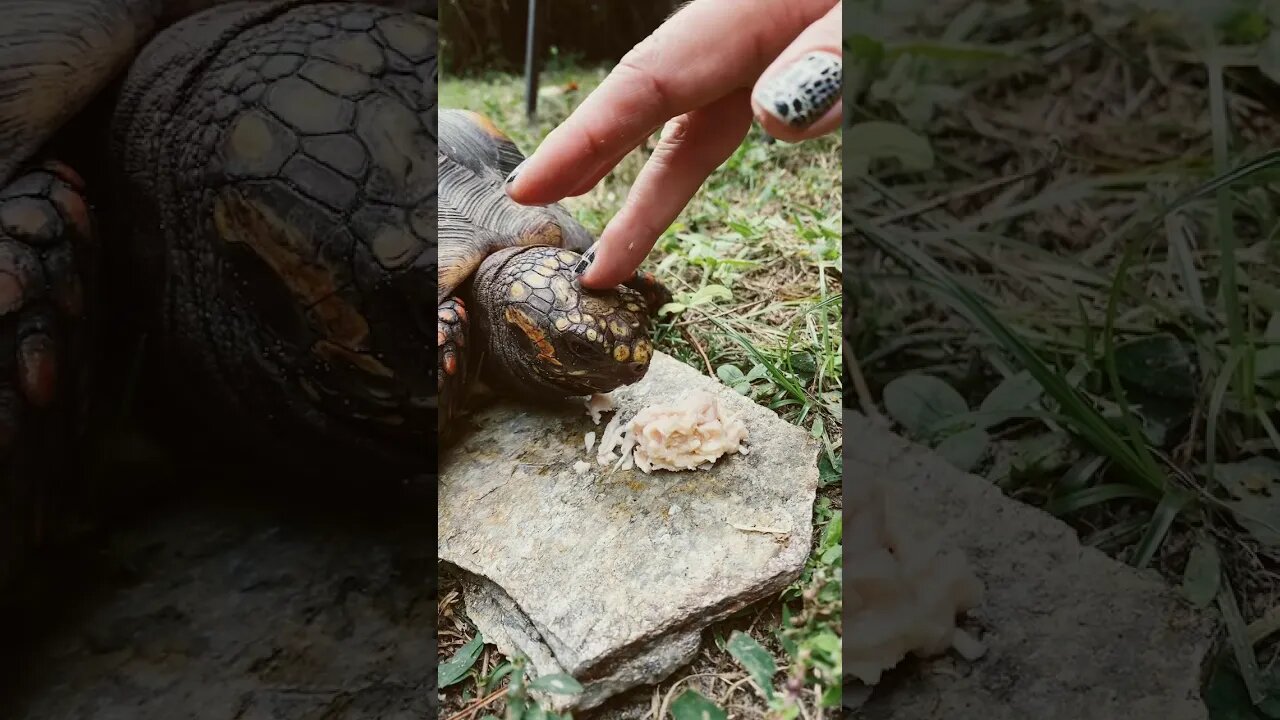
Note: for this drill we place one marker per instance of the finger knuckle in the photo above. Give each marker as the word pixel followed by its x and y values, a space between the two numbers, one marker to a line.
pixel 639 67
pixel 676 130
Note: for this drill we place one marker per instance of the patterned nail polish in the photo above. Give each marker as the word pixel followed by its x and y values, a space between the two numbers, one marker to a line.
pixel 588 257
pixel 804 91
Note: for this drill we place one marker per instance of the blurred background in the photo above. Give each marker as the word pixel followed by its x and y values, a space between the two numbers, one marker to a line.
pixel 490 34
pixel 1065 276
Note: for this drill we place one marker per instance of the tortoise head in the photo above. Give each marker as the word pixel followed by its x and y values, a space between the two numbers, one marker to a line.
pixel 551 336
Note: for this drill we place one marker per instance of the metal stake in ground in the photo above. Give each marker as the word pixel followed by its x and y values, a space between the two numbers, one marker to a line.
pixel 532 63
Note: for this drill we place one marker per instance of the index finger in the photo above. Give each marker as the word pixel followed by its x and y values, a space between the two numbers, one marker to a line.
pixel 703 52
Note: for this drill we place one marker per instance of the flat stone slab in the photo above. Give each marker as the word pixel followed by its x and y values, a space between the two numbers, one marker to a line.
pixel 222 612
pixel 610 575
pixel 1070 633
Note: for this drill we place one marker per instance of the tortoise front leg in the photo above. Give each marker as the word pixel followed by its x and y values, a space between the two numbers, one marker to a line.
pixel 654 292
pixel 452 325
pixel 46 262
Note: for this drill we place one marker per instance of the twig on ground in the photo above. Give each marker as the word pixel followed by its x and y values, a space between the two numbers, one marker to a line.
pixel 478 705
pixel 688 335
pixel 1265 626
pixel 667 697
pixel 865 401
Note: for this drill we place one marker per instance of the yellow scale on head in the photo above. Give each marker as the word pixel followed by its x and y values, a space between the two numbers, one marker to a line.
pixel 642 351
pixel 563 292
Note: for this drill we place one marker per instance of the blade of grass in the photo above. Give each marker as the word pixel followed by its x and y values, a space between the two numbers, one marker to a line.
pixel 1077 411
pixel 1133 426
pixel 1184 265
pixel 1238 634
pixel 1214 412
pixel 1166 512
pixel 1227 237
pixel 779 377
pixel 1268 427
pixel 1096 495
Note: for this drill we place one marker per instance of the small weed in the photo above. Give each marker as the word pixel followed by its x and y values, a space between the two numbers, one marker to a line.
pixel 514 697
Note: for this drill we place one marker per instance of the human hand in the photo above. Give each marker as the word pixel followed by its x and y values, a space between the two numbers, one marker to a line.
pixel 705 73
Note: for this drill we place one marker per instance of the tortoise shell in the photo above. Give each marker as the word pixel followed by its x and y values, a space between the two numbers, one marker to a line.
pixel 476 218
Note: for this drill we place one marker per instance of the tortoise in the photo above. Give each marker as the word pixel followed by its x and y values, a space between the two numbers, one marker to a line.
pixel 244 190
pixel 512 313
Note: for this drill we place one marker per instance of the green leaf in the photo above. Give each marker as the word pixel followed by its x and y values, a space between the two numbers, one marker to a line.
pixel 785 638
pixel 829 470
pixel 534 712
pixel 708 294
pixel 455 668
pixel 1244 27
pixel 1254 485
pixel 730 374
pixel 965 449
pixel 1157 364
pixel 1241 647
pixel 691 705
pixel 1167 510
pixel 878 140
pixel 921 402
pixel 1203 574
pixel 757 661
pixel 819 428
pixel 1013 395
pixel 804 364
pixel 560 684
pixel 1226 697
pixel 1095 495
pixel 824 646
pixel 498 673
pixel 1081 474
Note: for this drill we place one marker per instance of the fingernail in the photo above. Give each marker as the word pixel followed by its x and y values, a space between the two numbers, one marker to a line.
pixel 512 175
pixel 803 91
pixel 588 257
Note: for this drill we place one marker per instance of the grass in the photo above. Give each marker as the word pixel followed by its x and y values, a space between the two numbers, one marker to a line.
pixel 1067 219
pixel 754 263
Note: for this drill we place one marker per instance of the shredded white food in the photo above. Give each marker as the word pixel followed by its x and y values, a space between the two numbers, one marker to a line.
pixel 692 432
pixel 598 405
pixel 609 438
pixel 906 591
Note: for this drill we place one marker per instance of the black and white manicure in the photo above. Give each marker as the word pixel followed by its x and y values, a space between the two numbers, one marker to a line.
pixel 804 91
pixel 588 257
